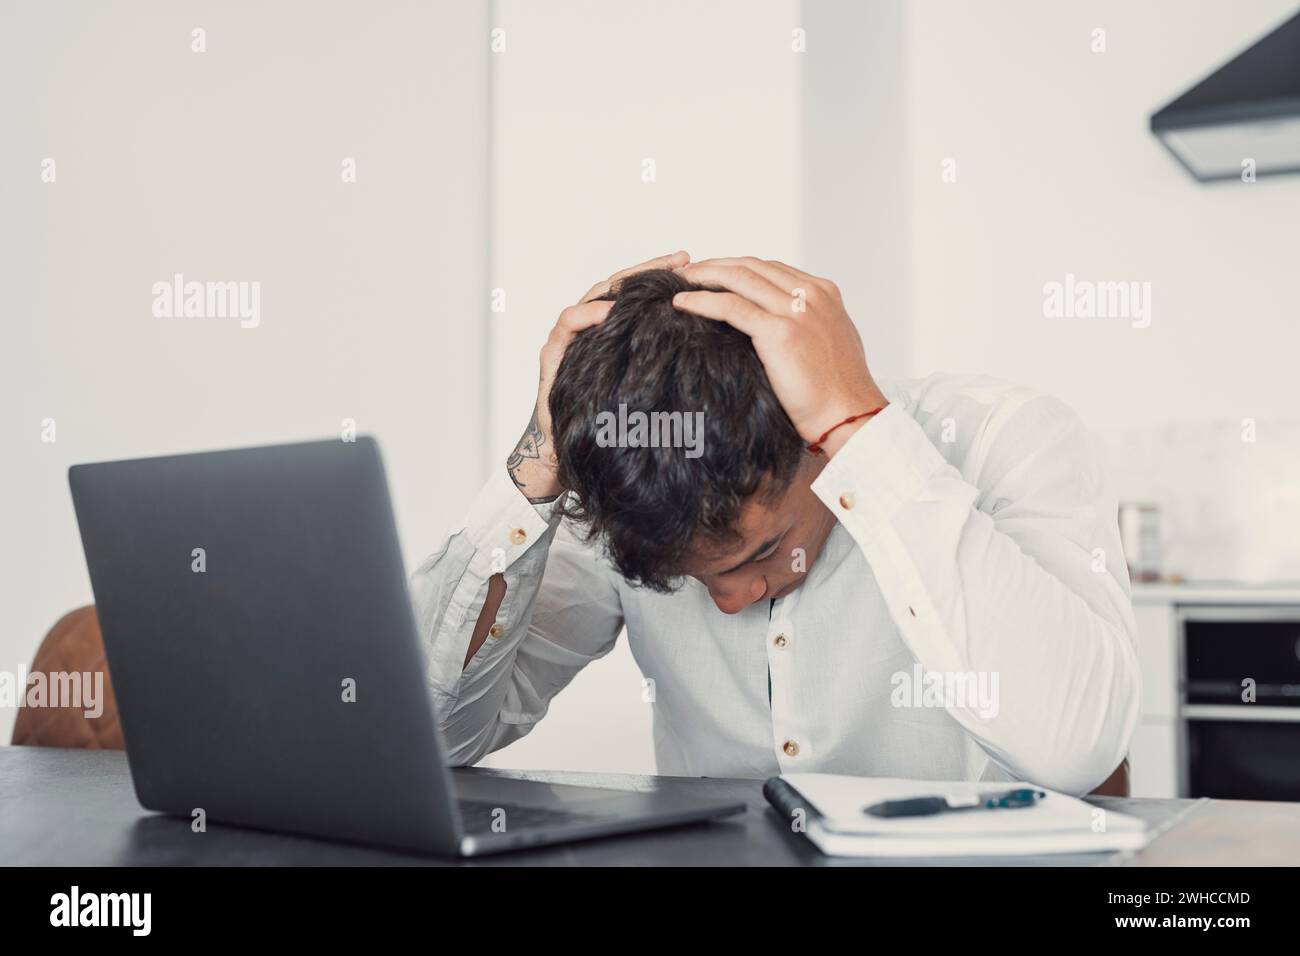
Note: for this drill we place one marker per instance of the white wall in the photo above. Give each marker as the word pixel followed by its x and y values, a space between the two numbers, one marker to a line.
pixel 583 93
pixel 1057 173
pixel 854 128
pixel 227 165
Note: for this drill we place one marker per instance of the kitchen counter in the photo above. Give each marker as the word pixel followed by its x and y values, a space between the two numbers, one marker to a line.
pixel 1217 592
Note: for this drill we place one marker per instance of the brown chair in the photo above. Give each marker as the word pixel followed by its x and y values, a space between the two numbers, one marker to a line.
pixel 73 645
pixel 1116 785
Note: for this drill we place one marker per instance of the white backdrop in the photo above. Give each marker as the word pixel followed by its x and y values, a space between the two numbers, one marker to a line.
pixel 228 165
pixel 584 94
pixel 1056 172
pixel 524 169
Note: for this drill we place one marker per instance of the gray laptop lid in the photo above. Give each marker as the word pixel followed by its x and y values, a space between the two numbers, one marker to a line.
pixel 239 593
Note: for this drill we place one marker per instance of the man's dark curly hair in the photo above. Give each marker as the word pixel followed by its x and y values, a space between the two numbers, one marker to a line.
pixel 648 505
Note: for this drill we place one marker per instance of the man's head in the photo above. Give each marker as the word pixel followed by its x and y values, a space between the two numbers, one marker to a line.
pixel 730 505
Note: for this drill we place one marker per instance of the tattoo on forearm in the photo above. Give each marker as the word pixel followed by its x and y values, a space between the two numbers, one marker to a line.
pixel 530 446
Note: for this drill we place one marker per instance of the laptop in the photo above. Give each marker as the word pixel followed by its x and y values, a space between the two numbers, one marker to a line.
pixel 268 670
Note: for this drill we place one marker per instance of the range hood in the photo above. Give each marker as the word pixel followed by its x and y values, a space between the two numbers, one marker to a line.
pixel 1248 109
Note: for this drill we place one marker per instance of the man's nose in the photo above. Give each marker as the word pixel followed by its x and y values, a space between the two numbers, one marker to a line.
pixel 732 599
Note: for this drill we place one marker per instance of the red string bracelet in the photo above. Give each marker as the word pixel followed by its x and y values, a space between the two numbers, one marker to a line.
pixel 816 447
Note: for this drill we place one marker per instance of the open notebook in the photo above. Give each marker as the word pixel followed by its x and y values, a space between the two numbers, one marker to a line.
pixel 829 807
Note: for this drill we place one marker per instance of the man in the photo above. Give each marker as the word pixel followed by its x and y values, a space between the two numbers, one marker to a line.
pixel 915 580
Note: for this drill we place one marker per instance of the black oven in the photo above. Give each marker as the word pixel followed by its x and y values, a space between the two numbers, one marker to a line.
pixel 1241 702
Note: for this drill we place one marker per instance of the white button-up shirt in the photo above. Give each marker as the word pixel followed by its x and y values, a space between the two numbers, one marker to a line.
pixel 969 616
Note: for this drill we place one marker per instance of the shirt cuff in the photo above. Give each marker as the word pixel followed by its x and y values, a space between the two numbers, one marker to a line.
pixel 502 525
pixel 884 465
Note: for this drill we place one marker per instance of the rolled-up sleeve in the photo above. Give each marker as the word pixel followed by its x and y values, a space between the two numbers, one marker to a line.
pixel 492 700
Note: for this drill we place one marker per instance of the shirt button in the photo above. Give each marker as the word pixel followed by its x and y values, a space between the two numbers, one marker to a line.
pixel 781 640
pixel 495 630
pixel 847 500
pixel 791 748
pixel 518 535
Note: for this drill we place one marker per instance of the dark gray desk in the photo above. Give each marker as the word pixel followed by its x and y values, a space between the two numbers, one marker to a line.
pixel 77 808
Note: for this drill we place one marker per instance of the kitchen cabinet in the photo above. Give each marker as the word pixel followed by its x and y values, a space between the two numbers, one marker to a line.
pixel 1220 691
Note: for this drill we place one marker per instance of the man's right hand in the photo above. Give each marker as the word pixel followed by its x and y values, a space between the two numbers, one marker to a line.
pixel 532 464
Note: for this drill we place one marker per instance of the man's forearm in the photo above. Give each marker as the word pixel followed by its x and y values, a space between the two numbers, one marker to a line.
pixel 1021 605
pixel 471 599
pixel 532 465
pixel 535 478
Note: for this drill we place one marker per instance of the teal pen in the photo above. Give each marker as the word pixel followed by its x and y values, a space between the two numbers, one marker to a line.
pixel 927 806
